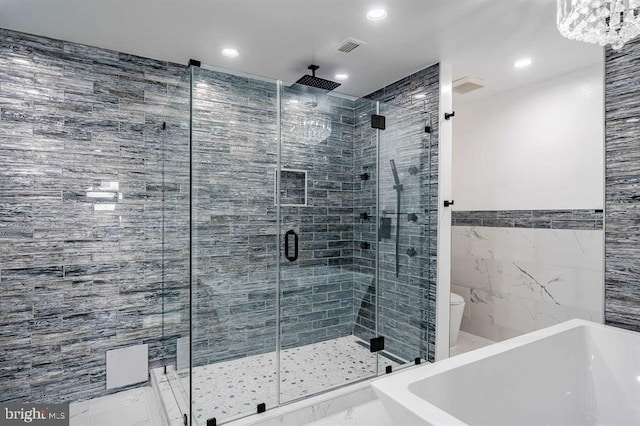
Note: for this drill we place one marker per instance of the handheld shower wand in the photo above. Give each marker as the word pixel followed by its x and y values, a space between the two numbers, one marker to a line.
pixel 398 188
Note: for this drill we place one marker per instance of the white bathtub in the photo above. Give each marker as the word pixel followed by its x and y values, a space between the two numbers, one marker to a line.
pixel 574 373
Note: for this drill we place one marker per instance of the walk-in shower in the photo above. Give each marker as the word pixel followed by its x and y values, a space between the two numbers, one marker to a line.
pixel 279 281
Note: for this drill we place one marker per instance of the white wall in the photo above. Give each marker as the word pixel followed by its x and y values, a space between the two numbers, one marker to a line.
pixel 534 148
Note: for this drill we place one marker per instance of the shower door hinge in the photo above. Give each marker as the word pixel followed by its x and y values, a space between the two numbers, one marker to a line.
pixel 164 125
pixel 427 129
pixel 211 422
pixel 376 344
pixel 388 369
pixel 261 408
pixel 448 203
pixel 194 63
pixel 185 420
pixel 378 121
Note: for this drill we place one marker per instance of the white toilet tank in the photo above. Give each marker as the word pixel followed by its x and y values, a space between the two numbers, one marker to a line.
pixel 455 319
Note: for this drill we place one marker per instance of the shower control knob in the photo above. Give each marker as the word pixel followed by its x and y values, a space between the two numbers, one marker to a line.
pixel 411 252
pixel 412 217
pixel 365 246
pixel 364 216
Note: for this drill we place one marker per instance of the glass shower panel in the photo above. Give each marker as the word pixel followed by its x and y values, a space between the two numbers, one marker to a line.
pixel 173 381
pixel 233 245
pixel 407 214
pixel 365 223
pixel 319 306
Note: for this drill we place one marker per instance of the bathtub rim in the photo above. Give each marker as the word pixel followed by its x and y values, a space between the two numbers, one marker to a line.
pixel 396 387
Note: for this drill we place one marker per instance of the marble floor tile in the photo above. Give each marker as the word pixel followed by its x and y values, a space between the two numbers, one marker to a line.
pixel 134 407
pixel 468 342
pixel 369 414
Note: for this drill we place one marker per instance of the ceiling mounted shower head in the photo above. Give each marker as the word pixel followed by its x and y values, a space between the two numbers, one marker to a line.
pixel 313 81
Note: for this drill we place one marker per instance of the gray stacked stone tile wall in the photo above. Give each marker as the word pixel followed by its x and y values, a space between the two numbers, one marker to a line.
pixel 174 184
pixel 622 174
pixel 80 274
pixel 235 159
pixel 317 290
pixel 543 219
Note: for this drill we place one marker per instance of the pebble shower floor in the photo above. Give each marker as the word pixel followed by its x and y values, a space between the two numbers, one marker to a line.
pixel 231 388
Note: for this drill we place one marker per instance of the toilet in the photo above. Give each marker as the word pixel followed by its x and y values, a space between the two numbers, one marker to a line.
pixel 457 310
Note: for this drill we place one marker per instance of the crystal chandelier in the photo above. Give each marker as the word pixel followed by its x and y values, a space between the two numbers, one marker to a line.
pixel 316 127
pixel 613 22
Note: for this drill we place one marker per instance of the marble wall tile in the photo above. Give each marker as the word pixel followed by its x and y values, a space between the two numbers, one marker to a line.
pixel 519 280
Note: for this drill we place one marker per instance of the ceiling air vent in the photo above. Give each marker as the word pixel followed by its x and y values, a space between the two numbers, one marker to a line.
pixel 467 84
pixel 348 45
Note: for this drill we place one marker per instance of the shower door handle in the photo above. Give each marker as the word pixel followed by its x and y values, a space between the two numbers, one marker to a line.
pixel 295 245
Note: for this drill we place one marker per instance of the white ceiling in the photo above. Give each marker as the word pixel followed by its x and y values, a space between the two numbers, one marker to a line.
pixel 279 38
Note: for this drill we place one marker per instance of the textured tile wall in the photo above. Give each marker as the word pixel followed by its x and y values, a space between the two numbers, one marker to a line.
pixel 542 219
pixel 173 186
pixel 80 274
pixel 83 275
pixel 235 222
pixel 317 290
pixel 406 301
pixel 622 175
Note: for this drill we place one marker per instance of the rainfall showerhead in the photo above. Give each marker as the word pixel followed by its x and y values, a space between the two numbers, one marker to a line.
pixel 313 81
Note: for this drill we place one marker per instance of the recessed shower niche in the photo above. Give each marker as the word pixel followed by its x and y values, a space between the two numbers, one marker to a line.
pixel 280 298
pixel 293 187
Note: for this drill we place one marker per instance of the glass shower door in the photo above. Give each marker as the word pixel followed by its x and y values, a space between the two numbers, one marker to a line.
pixel 233 246
pixel 407 211
pixel 311 237
pixel 318 342
pixel 174 379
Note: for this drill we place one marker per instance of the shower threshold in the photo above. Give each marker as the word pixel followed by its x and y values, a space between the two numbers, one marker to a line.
pixel 232 389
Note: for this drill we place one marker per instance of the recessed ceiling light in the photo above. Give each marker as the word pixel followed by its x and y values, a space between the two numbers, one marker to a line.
pixel 341 76
pixel 522 63
pixel 376 14
pixel 231 53
pixel 420 96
